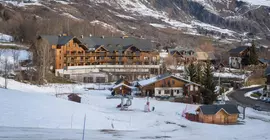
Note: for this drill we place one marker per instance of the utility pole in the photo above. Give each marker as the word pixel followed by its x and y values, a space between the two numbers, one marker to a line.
pixel 6 71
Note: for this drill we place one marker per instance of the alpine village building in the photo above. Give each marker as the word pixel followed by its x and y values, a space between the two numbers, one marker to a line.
pixel 102 59
pixel 169 85
pixel 239 56
pixel 218 114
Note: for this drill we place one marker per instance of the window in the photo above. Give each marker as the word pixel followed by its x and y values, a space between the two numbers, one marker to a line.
pixel 100 79
pixel 167 91
pixel 173 82
pixel 88 79
pixel 191 87
pixel 178 91
pixel 159 91
pixel 196 88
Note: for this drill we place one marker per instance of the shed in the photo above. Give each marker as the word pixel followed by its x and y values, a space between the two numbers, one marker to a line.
pixel 218 114
pixel 74 97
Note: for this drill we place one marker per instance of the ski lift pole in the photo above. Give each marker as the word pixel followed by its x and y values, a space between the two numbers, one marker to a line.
pixel 84 126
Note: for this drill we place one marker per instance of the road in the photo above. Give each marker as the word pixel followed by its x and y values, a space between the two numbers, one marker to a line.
pixel 238 97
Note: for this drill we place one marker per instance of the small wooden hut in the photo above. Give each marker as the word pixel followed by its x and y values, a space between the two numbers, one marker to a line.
pixel 218 114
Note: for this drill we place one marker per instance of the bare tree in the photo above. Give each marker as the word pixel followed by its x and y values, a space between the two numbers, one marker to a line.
pixel 7 68
pixel 42 53
pixel 15 56
pixel 170 62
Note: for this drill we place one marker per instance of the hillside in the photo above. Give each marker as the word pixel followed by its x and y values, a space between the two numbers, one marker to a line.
pixel 168 22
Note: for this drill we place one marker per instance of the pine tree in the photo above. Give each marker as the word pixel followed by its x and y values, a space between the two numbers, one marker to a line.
pixel 253 56
pixel 209 85
pixel 199 73
pixel 191 72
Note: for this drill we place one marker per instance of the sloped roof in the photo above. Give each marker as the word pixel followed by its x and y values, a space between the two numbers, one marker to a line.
pixel 122 84
pixel 117 43
pixel 238 49
pixel 121 80
pixel 203 56
pixel 264 61
pixel 213 109
pixel 62 40
pixel 161 77
pixel 57 40
pixel 267 71
pixel 52 39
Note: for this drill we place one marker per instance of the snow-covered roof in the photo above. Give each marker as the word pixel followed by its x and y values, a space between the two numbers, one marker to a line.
pixel 122 84
pixel 161 77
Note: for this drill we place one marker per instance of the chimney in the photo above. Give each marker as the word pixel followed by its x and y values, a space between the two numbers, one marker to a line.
pixel 81 36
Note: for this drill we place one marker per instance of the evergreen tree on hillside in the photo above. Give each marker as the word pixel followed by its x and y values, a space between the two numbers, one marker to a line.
pixel 191 72
pixel 208 93
pixel 199 73
pixel 253 57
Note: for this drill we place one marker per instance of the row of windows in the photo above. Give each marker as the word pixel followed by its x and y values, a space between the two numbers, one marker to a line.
pixel 170 91
pixel 192 88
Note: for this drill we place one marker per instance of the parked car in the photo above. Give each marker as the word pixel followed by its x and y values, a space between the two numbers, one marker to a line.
pixel 263 99
pixel 267 100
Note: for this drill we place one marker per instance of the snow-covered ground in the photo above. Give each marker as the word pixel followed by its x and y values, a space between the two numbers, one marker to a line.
pixel 32 106
pixel 248 94
pixel 106 26
pixel 6 38
pixel 229 75
pixel 22 4
pixel 258 2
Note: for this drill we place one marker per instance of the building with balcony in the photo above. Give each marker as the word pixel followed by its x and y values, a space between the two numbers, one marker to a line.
pixel 239 56
pixel 115 56
pixel 168 85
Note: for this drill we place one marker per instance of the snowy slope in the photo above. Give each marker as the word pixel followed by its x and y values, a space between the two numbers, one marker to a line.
pixel 258 2
pixel 31 108
pixel 5 38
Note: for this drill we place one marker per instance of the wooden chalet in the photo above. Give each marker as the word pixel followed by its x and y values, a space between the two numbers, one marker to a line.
pixel 218 114
pixel 239 56
pixel 74 51
pixel 183 55
pixel 170 85
pixel 203 56
pixel 90 59
pixel 122 87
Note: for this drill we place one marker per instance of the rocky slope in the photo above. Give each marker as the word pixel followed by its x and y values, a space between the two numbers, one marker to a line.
pixel 161 20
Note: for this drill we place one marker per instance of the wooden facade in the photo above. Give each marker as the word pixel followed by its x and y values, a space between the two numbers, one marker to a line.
pixel 221 116
pixel 183 56
pixel 170 86
pixel 122 90
pixel 74 52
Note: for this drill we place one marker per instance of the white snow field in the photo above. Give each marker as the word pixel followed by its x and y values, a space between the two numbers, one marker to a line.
pixel 29 106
